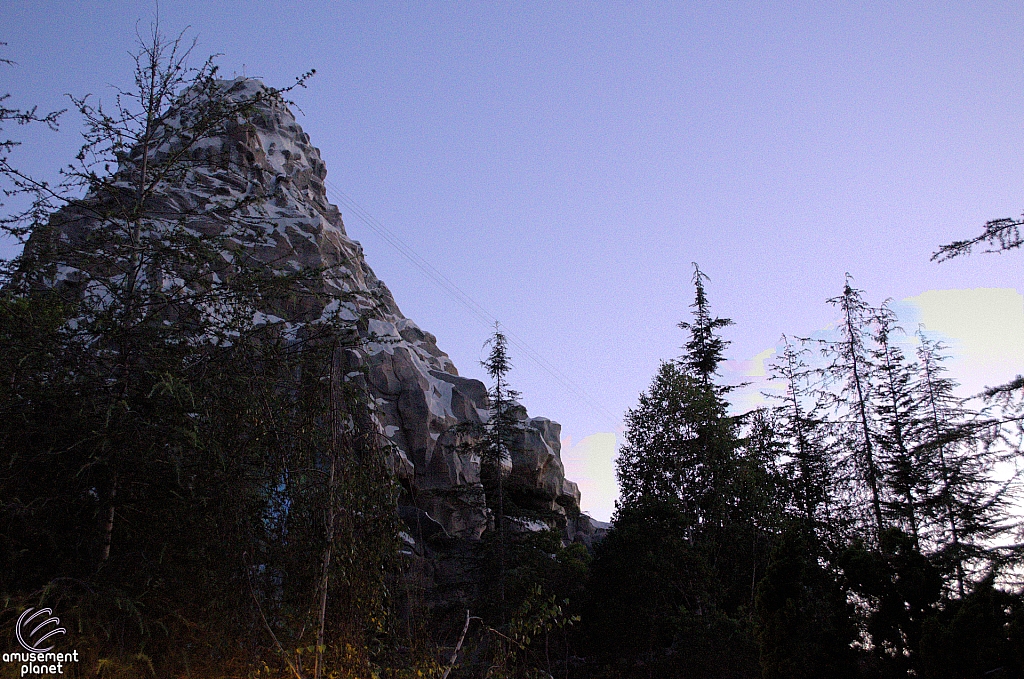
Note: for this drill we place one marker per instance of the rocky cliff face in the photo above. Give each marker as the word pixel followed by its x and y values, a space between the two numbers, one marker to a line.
pixel 420 396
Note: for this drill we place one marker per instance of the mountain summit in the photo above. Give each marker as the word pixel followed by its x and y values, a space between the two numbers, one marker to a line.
pixel 265 164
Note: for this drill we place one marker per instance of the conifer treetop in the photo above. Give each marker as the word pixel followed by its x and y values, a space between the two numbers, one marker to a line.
pixel 705 348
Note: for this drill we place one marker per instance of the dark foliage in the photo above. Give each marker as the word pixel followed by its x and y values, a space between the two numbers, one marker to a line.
pixel 805 627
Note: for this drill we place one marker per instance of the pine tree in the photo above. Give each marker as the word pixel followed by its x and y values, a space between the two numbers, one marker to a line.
pixel 902 461
pixel 851 367
pixel 968 508
pixel 998 234
pixel 810 468
pixel 693 525
pixel 152 401
pixel 663 457
pixel 502 431
pixel 681 443
pixel 804 624
pixel 497 441
pixel 705 349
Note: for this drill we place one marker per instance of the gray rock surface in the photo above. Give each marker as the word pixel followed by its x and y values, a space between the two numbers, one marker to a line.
pixel 420 396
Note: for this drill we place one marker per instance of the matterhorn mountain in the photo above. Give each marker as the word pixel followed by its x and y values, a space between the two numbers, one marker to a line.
pixel 266 165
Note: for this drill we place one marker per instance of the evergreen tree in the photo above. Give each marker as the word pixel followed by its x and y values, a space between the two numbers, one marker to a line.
pixel 978 635
pixel 901 587
pixel 500 438
pixel 527 578
pixel 851 367
pixel 151 400
pixel 681 443
pixel 805 626
pixel 810 453
pixel 967 507
pixel 998 234
pixel 902 461
pixel 502 431
pixel 693 527
pixel 655 602
pixel 704 351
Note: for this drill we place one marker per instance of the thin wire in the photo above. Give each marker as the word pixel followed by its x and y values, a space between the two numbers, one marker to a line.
pixel 477 310
pixel 459 295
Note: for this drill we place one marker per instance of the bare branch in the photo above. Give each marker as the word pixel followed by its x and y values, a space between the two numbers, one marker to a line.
pixel 999 234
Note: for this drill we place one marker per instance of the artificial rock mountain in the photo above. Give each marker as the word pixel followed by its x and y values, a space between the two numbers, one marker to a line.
pixel 266 160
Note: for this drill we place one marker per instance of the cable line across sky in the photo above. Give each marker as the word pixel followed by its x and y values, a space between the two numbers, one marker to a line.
pixel 452 290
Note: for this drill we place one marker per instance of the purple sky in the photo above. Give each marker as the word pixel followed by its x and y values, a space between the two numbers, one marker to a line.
pixel 564 165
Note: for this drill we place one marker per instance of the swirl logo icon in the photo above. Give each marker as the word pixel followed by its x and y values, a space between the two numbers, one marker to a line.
pixel 32 633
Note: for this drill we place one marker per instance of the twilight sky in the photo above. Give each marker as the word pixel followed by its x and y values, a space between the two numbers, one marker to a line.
pixel 563 164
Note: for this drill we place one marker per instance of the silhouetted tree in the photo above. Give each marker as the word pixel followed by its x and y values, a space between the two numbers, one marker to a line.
pixel 998 234
pixel 851 368
pixel 681 443
pixel 694 523
pixel 903 462
pixel 805 626
pixel 810 467
pixel 13 181
pixel 153 399
pixel 968 508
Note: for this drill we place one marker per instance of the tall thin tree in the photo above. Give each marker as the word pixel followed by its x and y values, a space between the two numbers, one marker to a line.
pixel 851 367
pixel 500 438
pixel 801 422
pixel 902 461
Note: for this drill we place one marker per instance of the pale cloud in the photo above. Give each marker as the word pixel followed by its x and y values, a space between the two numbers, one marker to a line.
pixel 757 366
pixel 983 327
pixel 590 463
pixel 753 375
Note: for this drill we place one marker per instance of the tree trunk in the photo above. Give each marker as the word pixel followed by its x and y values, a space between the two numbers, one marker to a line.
pixel 330 521
pixel 108 528
pixel 869 459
